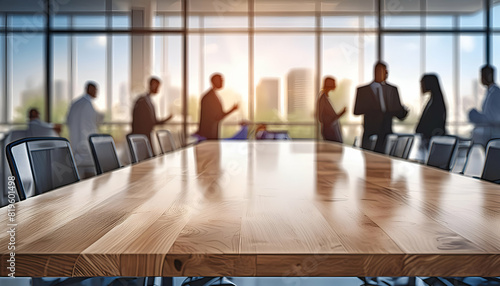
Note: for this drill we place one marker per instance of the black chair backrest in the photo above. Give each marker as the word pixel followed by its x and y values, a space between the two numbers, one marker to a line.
pixel 402 146
pixel 373 142
pixel 140 148
pixel 104 153
pixel 441 151
pixel 463 147
pixel 475 161
pixel 390 141
pixel 491 170
pixel 166 141
pixel 41 164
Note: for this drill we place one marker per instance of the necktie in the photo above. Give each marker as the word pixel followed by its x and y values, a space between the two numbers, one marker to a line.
pixel 381 98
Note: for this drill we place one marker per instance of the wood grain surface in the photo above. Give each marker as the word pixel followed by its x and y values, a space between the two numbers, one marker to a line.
pixel 290 208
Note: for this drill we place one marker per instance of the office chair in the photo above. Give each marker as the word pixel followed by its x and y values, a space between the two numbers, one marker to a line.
pixel 402 146
pixel 166 141
pixel 104 153
pixel 491 169
pixel 181 139
pixel 441 151
pixel 373 142
pixel 140 148
pixel 475 161
pixel 41 164
pixel 463 147
pixel 390 141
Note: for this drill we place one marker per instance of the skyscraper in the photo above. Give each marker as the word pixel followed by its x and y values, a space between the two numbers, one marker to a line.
pixel 300 93
pixel 268 94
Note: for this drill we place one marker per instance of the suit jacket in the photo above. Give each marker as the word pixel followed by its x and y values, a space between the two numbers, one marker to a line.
pixel 433 120
pixel 330 127
pixel 211 114
pixel 487 122
pixel 144 117
pixel 375 121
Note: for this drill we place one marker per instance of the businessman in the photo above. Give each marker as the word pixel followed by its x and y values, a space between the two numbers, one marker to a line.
pixel 487 121
pixel 211 112
pixel 378 102
pixel 144 115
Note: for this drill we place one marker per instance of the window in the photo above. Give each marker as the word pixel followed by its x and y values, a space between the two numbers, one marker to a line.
pixel 26 67
pixel 471 14
pixel 495 15
pixel 167 65
pixel 496 56
pixel 272 69
pixel 62 78
pixel 349 58
pixel 439 59
pixel 403 56
pixel 471 91
pixel 402 14
pixel 90 58
pixel 290 60
pixel 226 54
pixel 121 98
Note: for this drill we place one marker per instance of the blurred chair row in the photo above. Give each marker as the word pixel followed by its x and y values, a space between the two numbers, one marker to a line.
pixel 41 164
pixel 450 153
pixel 396 145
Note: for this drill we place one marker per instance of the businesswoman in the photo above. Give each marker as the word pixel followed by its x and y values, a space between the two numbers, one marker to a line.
pixel 328 118
pixel 433 119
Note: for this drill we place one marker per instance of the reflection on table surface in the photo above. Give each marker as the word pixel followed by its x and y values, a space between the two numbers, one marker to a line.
pixel 296 208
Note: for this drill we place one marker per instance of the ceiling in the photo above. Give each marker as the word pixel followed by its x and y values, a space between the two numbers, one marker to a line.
pixel 227 6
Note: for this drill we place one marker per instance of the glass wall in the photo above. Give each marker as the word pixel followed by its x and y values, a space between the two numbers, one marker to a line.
pixel 25 67
pixel 226 54
pixel 273 55
pixel 403 53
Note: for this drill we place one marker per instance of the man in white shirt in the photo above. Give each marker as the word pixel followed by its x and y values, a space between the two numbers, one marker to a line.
pixel 83 121
pixel 378 102
pixel 38 128
pixel 487 122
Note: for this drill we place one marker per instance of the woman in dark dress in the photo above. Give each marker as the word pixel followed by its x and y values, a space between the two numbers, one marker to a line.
pixel 433 119
pixel 330 126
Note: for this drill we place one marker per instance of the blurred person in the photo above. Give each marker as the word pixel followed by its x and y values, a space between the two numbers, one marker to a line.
pixel 39 128
pixel 211 112
pixel 83 120
pixel 487 121
pixel 433 119
pixel 378 102
pixel 144 115
pixel 329 119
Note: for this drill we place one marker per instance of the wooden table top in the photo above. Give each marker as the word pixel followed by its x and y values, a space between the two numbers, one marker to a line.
pixel 289 208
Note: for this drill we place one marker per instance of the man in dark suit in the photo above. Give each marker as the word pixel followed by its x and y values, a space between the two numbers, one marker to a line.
pixel 379 102
pixel 143 115
pixel 211 112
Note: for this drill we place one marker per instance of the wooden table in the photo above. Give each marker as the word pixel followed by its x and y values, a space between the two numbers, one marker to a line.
pixel 262 209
